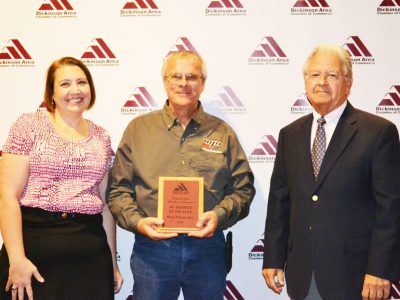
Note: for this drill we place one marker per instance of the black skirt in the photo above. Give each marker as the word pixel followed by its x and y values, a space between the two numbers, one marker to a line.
pixel 70 251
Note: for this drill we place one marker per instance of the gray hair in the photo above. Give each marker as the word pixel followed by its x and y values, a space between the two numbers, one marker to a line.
pixel 342 53
pixel 184 54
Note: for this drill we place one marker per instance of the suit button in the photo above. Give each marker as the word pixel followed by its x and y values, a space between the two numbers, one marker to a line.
pixel 64 215
pixel 314 198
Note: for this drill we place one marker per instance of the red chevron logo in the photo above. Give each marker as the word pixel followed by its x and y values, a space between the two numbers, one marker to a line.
pixel 267 146
pixel 98 49
pixel 42 107
pixel 259 247
pixel 226 4
pixel 14 50
pixel 311 3
pixel 392 98
pixel 231 292
pixel 140 4
pixel 301 105
pixel 56 5
pixel 390 3
pixel 302 100
pixel 268 48
pixel 182 44
pixel 140 98
pixel 356 47
pixel 395 291
pixel 226 97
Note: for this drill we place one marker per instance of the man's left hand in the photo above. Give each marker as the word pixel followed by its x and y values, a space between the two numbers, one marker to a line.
pixel 375 288
pixel 207 223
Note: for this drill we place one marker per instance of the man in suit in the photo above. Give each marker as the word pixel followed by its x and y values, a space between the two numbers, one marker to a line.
pixel 333 220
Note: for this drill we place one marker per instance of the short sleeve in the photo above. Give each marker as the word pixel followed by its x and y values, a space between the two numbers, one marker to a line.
pixel 20 138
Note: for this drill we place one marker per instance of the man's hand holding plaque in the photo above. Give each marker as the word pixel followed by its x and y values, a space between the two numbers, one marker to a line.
pixel 148 227
pixel 207 225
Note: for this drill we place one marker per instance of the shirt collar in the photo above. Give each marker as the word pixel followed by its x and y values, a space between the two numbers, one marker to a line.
pixel 170 120
pixel 333 116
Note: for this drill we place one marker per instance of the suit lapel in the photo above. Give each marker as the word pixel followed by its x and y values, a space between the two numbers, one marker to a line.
pixel 341 137
pixel 304 146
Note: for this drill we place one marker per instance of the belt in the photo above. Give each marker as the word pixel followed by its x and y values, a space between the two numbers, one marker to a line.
pixel 57 216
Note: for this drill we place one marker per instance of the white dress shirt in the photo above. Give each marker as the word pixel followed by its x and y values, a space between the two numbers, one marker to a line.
pixel 331 121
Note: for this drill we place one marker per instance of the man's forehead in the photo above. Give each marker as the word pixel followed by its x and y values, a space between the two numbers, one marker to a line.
pixel 184 62
pixel 325 60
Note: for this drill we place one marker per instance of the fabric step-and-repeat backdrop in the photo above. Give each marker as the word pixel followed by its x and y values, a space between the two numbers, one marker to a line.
pixel 254 50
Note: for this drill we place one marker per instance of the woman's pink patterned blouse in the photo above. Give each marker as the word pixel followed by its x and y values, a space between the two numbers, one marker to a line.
pixel 63 175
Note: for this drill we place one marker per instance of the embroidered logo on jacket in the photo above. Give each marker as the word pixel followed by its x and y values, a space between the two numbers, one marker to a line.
pixel 211 146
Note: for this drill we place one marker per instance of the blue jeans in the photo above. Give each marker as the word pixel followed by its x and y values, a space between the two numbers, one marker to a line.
pixel 161 268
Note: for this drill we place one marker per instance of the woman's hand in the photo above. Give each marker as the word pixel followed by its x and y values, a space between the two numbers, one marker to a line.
pixel 118 280
pixel 19 278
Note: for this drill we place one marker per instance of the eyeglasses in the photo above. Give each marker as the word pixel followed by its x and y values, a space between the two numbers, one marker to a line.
pixel 177 78
pixel 331 76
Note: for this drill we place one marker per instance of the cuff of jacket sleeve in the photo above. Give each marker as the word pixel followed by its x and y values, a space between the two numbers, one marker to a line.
pixel 222 217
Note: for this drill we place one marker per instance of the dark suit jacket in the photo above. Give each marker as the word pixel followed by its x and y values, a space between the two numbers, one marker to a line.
pixel 352 227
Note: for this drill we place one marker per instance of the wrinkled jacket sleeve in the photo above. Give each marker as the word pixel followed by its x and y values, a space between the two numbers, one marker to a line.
pixel 277 221
pixel 384 249
pixel 240 190
pixel 121 189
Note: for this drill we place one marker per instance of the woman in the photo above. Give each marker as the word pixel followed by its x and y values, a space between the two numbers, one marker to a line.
pixel 59 237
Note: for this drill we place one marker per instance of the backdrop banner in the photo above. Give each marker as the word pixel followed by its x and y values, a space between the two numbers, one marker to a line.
pixel 254 50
